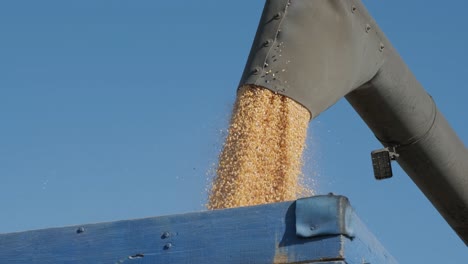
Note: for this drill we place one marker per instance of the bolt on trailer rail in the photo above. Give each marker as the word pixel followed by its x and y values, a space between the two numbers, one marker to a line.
pixel 321 229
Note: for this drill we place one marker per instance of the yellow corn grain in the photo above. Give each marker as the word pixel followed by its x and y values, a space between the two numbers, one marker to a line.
pixel 262 156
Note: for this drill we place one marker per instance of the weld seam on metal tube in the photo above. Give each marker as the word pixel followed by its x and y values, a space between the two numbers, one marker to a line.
pixel 415 139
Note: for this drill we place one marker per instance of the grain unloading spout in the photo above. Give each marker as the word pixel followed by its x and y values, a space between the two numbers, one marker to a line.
pixel 316 52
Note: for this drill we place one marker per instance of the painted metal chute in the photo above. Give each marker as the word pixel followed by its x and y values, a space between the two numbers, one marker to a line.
pixel 316 52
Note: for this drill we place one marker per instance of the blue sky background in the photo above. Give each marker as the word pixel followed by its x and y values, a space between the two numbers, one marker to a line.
pixel 114 110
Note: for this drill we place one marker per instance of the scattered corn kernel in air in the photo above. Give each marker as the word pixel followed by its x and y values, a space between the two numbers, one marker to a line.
pixel 262 156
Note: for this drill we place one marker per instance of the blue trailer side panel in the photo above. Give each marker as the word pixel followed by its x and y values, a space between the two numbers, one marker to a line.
pixel 258 234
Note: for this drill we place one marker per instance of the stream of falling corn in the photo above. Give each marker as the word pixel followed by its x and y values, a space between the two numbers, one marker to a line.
pixel 261 159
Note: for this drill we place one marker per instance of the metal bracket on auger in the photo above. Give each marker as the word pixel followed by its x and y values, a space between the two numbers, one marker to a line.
pixel 382 162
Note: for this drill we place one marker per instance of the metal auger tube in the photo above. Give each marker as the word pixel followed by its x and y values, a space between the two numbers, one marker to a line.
pixel 316 52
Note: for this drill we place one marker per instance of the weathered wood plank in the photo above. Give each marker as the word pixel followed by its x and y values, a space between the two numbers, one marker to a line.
pixel 260 234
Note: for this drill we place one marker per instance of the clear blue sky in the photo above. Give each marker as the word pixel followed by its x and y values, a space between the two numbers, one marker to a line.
pixel 114 110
